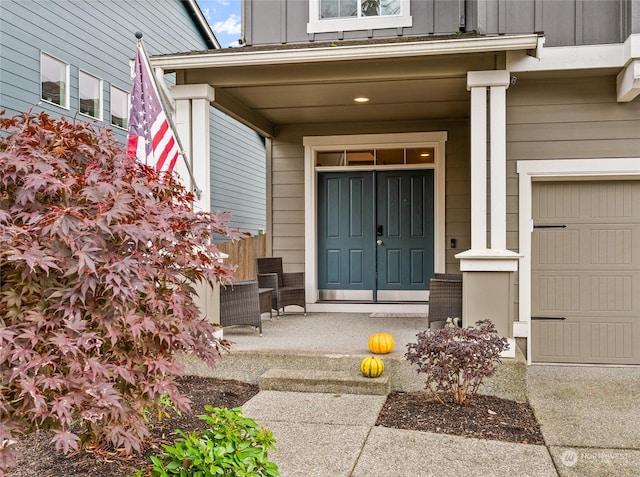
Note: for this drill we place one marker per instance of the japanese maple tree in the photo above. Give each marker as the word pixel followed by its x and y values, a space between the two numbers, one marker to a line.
pixel 99 259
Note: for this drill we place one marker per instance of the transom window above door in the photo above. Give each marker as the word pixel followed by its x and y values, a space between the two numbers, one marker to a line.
pixel 376 157
pixel 346 15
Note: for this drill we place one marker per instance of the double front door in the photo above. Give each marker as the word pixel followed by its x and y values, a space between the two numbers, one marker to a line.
pixel 375 235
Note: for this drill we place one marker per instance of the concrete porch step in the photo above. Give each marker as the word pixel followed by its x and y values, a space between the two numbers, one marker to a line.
pixel 248 366
pixel 322 381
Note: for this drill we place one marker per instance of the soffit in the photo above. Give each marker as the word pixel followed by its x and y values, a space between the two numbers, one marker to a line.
pixel 400 87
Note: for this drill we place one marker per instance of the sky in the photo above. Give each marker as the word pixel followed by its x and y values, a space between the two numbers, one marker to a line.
pixel 224 18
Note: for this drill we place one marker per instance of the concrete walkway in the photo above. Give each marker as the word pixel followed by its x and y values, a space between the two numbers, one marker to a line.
pixel 334 435
pixel 590 419
pixel 589 415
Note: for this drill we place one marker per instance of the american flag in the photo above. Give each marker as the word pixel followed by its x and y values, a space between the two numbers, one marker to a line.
pixel 151 139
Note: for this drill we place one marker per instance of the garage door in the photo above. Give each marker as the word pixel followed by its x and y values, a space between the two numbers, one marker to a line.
pixel 586 272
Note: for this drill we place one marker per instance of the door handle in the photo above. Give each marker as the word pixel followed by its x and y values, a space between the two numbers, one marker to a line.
pixel 379 242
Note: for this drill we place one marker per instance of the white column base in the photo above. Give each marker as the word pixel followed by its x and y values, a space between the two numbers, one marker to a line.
pixel 487 290
pixel 488 260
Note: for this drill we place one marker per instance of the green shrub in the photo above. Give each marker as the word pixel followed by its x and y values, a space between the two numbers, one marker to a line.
pixel 231 445
pixel 456 360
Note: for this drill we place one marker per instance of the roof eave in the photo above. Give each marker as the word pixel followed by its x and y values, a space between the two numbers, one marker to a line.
pixel 202 24
pixel 237 57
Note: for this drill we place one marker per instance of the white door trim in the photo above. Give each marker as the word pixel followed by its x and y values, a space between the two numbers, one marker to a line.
pixel 549 170
pixel 312 144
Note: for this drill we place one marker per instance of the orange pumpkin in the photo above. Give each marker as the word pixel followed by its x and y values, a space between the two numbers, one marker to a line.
pixel 371 366
pixel 381 343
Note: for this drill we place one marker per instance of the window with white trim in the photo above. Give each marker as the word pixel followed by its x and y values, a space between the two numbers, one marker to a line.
pixel 396 156
pixel 54 80
pixel 344 15
pixel 90 95
pixel 119 108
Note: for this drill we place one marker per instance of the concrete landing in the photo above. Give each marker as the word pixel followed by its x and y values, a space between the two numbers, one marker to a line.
pixel 338 342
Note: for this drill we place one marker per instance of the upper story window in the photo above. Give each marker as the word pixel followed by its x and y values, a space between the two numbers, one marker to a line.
pixel 358 8
pixel 54 80
pixel 90 95
pixel 119 108
pixel 344 15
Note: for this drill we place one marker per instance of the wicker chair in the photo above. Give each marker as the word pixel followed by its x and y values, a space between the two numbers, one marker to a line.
pixel 288 288
pixel 240 305
pixel 445 298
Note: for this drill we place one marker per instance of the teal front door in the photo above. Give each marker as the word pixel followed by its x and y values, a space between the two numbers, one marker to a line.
pixel 375 235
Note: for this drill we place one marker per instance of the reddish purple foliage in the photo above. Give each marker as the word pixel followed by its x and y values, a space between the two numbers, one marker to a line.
pixel 456 360
pixel 99 257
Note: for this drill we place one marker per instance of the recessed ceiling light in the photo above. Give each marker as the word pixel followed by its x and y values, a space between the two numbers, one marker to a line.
pixel 425 154
pixel 361 99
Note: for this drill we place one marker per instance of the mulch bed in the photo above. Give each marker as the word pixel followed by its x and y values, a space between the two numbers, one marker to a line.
pixel 486 417
pixel 40 459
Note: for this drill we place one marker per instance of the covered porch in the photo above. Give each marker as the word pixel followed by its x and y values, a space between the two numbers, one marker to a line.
pixel 447 93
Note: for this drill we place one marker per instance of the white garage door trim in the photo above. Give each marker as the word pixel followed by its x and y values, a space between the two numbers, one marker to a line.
pixel 529 171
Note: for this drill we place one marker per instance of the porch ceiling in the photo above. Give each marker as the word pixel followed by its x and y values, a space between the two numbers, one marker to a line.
pixel 401 86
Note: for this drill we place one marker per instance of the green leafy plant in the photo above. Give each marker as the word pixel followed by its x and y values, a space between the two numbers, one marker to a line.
pixel 99 259
pixel 231 445
pixel 456 360
pixel 159 410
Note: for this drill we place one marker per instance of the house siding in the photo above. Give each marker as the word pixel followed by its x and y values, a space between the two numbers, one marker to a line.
pixel 238 182
pixel 583 22
pixel 104 47
pixel 569 118
pixel 287 194
pixel 287 198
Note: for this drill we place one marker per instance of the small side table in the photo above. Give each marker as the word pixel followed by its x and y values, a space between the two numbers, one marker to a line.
pixel 265 301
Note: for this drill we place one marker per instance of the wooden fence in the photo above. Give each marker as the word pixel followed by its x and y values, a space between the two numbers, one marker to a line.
pixel 243 253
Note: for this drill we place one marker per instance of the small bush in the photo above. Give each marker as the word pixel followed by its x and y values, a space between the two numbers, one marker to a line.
pixel 456 360
pixel 231 445
pixel 99 259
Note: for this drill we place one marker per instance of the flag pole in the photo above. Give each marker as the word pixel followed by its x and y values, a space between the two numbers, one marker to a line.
pixel 196 189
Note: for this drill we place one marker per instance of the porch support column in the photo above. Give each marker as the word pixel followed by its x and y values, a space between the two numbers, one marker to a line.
pixel 498 149
pixel 192 121
pixel 478 168
pixel 488 272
